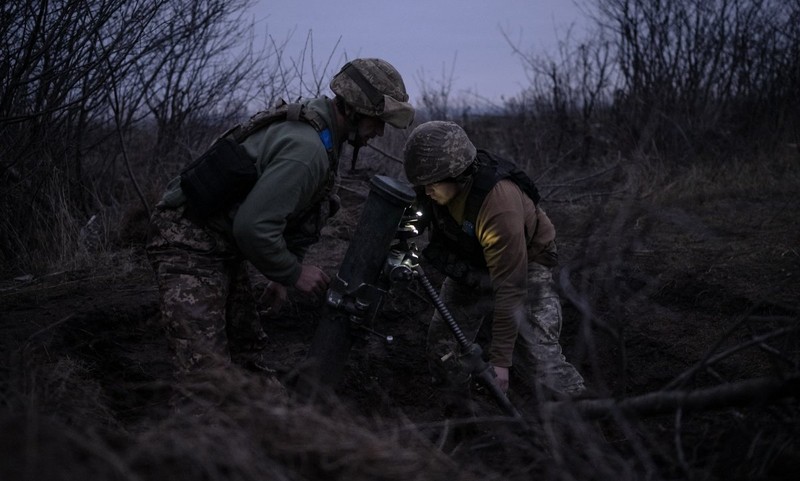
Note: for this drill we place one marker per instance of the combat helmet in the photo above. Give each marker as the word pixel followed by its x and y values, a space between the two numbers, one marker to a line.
pixel 437 150
pixel 374 87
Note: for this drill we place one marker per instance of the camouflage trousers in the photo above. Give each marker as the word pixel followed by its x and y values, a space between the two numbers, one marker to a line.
pixel 537 356
pixel 207 306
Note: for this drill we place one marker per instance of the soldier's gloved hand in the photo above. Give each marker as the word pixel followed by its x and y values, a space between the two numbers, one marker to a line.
pixel 274 296
pixel 501 377
pixel 312 281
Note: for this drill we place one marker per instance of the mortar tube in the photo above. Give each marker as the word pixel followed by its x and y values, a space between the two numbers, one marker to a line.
pixel 366 255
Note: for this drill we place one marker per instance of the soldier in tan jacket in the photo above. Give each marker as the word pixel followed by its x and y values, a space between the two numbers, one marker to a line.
pixel 497 248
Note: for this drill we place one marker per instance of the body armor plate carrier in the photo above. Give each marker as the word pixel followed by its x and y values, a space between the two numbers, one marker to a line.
pixel 224 174
pixel 454 249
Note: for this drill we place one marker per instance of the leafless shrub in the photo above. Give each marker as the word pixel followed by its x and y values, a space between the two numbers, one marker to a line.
pixel 85 88
pixel 437 94
pixel 700 76
pixel 562 103
pixel 683 81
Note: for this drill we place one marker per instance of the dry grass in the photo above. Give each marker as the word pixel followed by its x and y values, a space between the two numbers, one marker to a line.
pixel 764 176
pixel 230 425
pixel 631 231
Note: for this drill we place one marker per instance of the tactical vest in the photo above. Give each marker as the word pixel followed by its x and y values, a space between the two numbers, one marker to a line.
pixel 454 249
pixel 225 174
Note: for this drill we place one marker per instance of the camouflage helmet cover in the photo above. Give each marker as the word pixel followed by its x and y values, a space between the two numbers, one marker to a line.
pixel 374 87
pixel 435 151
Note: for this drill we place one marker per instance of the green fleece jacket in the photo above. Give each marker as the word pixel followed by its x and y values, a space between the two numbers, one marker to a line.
pixel 293 169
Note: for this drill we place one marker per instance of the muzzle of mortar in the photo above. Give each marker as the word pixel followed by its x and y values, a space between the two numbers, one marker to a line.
pixel 359 286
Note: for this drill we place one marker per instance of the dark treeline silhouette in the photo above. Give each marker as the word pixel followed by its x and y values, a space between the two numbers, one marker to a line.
pixel 102 100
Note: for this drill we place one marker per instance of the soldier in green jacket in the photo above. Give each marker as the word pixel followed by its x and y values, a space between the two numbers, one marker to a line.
pixel 260 194
pixel 497 248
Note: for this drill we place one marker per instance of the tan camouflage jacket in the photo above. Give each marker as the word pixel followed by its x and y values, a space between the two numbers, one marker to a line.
pixel 512 232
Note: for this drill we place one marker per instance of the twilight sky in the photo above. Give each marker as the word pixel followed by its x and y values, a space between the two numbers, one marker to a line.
pixel 426 39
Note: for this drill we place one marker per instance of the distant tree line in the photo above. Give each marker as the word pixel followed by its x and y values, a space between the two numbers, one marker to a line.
pixel 680 79
pixel 100 100
pixel 704 74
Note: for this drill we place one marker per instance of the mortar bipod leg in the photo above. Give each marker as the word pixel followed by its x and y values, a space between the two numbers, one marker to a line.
pixel 478 367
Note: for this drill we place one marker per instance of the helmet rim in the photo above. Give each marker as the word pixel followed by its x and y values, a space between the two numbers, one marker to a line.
pixel 373 87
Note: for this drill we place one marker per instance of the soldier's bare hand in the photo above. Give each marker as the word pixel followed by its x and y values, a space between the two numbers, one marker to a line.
pixel 312 281
pixel 501 378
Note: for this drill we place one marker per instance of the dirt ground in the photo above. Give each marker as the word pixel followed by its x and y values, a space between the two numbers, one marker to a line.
pixel 650 288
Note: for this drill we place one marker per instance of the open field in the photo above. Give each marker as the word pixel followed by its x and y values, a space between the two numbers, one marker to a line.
pixel 684 285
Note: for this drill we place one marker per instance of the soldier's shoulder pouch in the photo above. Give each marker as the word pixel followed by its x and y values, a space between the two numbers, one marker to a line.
pixel 223 175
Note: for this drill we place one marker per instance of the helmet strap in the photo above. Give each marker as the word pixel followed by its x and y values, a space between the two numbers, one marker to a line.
pixel 354 160
pixel 351 118
pixel 356 141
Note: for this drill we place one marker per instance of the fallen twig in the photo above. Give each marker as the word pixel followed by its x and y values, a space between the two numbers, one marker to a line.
pixel 757 340
pixel 753 391
pixel 50 326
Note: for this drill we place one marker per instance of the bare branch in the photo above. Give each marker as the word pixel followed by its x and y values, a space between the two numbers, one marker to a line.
pixel 744 393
